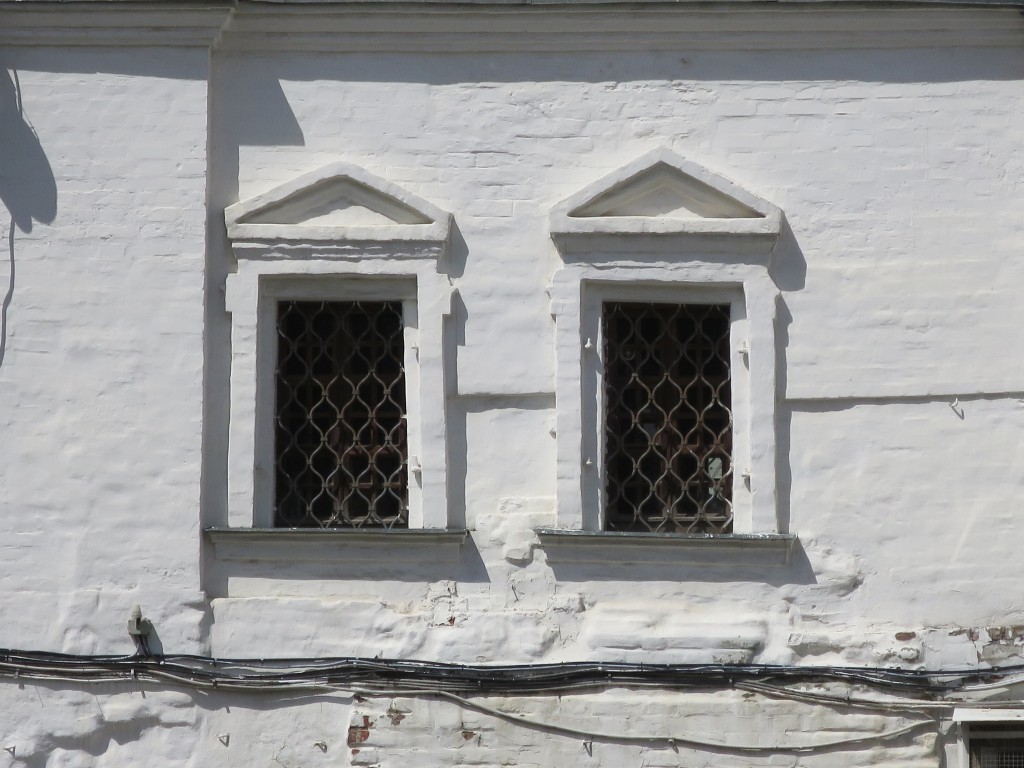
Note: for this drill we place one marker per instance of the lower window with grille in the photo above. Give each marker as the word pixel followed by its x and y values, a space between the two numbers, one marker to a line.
pixel 997 746
pixel 668 422
pixel 340 438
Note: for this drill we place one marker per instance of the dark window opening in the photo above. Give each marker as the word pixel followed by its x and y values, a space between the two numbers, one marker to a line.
pixel 997 745
pixel 340 442
pixel 668 418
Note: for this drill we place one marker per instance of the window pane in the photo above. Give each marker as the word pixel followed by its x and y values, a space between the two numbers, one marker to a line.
pixel 668 418
pixel 340 438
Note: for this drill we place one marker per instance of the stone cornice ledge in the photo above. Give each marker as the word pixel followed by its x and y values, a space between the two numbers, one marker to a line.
pixel 712 549
pixel 563 26
pixel 314 544
pixel 131 24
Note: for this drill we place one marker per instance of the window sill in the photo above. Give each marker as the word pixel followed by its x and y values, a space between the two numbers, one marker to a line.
pixel 707 549
pixel 336 545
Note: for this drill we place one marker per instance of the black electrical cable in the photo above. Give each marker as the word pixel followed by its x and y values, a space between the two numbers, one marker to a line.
pixel 354 672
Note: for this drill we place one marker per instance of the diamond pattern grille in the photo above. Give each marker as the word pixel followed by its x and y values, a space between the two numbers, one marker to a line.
pixel 340 440
pixel 668 418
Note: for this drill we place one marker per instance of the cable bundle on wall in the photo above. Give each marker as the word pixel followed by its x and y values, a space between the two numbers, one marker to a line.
pixel 398 674
pixel 916 698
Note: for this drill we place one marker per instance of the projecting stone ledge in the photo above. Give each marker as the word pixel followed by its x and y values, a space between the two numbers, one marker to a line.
pixel 709 549
pixel 265 544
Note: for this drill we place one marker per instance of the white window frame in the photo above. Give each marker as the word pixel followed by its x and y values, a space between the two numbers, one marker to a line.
pixel 974 720
pixel 253 295
pixel 595 295
pixel 273 291
pixel 673 260
pixel 281 261
pixel 578 298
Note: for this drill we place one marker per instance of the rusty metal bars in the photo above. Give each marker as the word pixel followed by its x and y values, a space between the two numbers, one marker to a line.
pixel 341 451
pixel 668 418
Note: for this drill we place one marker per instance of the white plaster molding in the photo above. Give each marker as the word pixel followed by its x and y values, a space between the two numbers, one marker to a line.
pixel 251 296
pixel 283 212
pixel 577 26
pixel 678 263
pixel 335 545
pixel 705 550
pixel 502 25
pixel 987 715
pixel 285 261
pixel 707 204
pixel 578 292
pixel 158 24
pixel 275 562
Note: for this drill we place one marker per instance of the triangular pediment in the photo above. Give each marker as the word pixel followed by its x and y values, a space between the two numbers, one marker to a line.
pixel 663 190
pixel 661 193
pixel 337 203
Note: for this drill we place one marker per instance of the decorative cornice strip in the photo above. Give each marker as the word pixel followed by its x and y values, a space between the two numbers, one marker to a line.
pixel 572 27
pixel 128 24
pixel 495 25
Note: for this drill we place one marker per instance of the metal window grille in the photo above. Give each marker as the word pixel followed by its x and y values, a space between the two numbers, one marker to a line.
pixel 998 747
pixel 668 418
pixel 1006 753
pixel 340 439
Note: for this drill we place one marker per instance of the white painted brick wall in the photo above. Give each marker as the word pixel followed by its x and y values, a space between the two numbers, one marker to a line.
pixel 101 382
pixel 900 173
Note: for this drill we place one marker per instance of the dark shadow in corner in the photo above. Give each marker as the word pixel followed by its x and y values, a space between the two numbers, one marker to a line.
pixel 154 645
pixel 266 121
pixel 27 187
pixel 783 417
pixel 458 445
pixel 8 295
pixel 458 253
pixel 257 114
pixel 788 270
pixel 788 267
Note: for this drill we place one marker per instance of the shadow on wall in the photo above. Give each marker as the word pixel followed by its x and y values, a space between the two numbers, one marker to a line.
pixel 27 187
pixel 924 65
pixel 608 562
pixel 260 116
pixel 788 269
